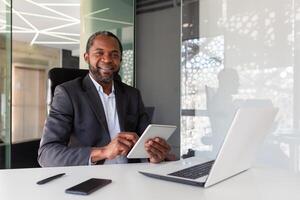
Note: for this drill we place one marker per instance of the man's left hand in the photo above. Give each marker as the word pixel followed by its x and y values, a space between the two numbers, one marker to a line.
pixel 158 149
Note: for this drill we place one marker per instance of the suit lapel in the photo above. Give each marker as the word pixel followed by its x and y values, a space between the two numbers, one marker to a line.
pixel 95 101
pixel 121 103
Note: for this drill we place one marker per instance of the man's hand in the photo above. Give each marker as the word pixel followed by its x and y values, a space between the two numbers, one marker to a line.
pixel 158 149
pixel 120 145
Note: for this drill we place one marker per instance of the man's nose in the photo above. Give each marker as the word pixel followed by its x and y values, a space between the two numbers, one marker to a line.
pixel 106 58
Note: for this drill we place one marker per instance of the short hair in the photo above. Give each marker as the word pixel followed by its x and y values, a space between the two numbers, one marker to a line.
pixel 105 33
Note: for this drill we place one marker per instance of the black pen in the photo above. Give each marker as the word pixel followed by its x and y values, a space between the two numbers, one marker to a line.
pixel 46 180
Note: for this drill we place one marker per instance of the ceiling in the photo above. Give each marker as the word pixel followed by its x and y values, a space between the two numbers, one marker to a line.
pixel 56 23
pixel 52 23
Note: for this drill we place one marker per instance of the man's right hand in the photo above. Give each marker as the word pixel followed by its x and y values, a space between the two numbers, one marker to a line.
pixel 120 145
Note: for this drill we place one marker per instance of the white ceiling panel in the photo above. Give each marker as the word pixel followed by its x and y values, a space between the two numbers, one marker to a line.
pixel 53 23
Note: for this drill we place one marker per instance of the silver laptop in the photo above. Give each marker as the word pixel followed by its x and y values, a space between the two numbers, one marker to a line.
pixel 247 131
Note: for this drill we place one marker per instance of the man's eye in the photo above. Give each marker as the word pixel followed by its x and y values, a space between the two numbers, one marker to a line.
pixel 115 55
pixel 99 53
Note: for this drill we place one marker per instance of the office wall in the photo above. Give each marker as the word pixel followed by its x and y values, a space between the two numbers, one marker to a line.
pixel 68 60
pixel 158 66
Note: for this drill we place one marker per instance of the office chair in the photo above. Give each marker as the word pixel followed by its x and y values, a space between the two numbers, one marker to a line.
pixel 58 76
pixel 150 111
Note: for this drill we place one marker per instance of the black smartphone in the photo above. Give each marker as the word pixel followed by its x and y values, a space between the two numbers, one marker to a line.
pixel 88 186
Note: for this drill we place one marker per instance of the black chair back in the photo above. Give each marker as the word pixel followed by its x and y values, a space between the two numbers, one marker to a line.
pixel 150 111
pixel 58 76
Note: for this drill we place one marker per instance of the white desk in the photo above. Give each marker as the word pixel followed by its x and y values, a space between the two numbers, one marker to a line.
pixel 260 183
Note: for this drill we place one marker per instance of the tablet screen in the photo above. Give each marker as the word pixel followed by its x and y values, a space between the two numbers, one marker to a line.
pixel 152 131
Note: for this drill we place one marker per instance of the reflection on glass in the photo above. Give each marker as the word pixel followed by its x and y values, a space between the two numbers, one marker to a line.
pixel 114 16
pixel 221 107
pixel 5 83
pixel 38 46
pixel 258 43
pixel 202 60
pixel 28 103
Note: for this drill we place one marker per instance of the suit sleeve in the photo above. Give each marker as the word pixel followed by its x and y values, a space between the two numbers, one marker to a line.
pixel 54 149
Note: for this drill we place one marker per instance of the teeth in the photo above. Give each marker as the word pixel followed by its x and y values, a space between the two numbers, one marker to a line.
pixel 106 69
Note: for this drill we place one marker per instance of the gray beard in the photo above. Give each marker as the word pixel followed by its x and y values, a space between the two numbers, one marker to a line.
pixel 95 71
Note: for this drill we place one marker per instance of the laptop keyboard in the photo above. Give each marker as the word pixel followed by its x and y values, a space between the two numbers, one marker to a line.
pixel 195 171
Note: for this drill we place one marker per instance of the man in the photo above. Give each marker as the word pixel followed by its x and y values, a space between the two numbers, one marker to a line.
pixel 97 119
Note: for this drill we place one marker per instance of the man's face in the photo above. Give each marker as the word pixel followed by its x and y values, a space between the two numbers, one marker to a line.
pixel 104 58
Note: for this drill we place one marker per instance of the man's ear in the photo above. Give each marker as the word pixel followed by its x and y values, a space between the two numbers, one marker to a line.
pixel 86 57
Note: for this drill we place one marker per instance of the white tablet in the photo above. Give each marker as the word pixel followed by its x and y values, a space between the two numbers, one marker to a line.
pixel 152 131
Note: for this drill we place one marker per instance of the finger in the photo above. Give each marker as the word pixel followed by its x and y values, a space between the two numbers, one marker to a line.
pixel 129 136
pixel 152 144
pixel 119 146
pixel 156 153
pixel 153 157
pixel 159 147
pixel 147 145
pixel 148 142
pixel 126 142
pixel 124 153
pixel 162 142
pixel 148 148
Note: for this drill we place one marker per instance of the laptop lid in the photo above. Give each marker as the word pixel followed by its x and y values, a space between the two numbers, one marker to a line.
pixel 248 129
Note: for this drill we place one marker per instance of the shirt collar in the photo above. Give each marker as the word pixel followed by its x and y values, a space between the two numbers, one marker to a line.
pixel 100 88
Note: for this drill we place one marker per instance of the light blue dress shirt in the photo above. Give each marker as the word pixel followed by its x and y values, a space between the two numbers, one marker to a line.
pixel 111 114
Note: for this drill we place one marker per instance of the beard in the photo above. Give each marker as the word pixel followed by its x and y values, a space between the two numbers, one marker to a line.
pixel 96 73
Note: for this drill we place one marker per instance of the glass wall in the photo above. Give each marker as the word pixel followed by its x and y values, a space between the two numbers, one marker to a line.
pixel 235 54
pixel 116 17
pixel 37 36
pixel 5 83
pixel 41 30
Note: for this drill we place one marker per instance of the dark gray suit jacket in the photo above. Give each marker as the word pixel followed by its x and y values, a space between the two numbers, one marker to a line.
pixel 77 122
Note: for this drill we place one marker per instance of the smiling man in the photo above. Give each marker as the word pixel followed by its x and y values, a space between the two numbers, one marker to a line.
pixel 97 119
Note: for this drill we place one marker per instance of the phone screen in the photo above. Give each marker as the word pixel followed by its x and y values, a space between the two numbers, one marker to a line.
pixel 88 186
